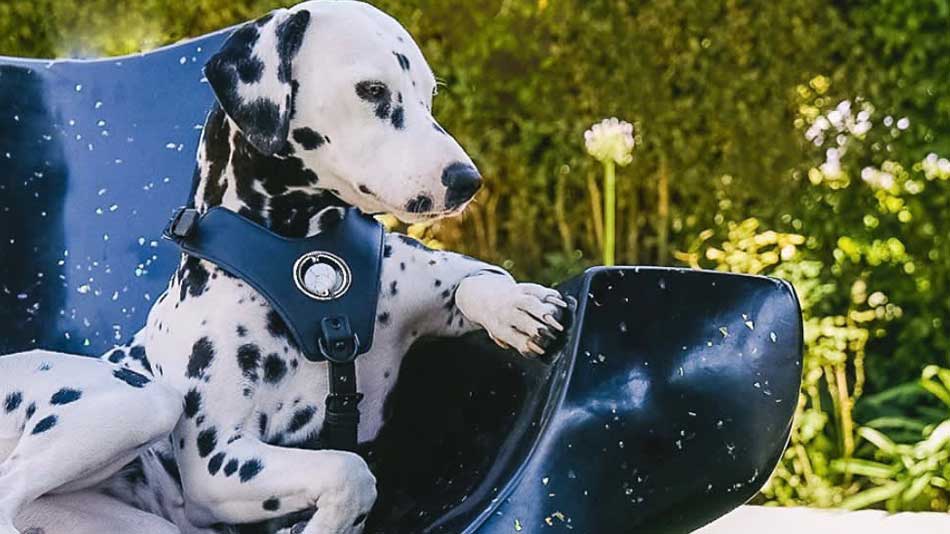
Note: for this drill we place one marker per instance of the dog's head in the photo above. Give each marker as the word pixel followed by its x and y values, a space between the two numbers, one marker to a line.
pixel 343 86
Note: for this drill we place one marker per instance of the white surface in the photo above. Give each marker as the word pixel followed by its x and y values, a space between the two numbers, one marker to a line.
pixel 770 520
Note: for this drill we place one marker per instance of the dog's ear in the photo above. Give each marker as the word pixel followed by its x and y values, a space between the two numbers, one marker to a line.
pixel 252 76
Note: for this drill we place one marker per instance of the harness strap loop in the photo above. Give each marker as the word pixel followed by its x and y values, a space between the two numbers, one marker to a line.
pixel 182 224
pixel 340 346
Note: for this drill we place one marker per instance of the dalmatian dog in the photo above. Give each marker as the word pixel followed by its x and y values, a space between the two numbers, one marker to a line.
pixel 210 419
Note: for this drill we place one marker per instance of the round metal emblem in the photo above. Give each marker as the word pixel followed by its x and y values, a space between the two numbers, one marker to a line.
pixel 322 276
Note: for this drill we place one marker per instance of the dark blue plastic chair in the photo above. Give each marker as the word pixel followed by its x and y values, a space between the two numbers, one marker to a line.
pixel 669 407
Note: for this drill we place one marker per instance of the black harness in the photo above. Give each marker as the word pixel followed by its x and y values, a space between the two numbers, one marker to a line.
pixel 324 287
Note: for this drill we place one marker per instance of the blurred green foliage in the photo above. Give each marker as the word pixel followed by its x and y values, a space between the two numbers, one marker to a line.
pixel 797 138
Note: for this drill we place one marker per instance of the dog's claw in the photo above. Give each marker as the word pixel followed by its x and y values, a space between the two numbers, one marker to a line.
pixel 545 336
pixel 533 347
pixel 553 323
pixel 499 342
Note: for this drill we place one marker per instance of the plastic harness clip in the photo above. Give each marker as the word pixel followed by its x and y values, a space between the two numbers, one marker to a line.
pixel 182 224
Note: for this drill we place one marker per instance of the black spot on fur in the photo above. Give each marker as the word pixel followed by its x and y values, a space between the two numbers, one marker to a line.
pixel 250 70
pixel 272 504
pixel 217 152
pixel 117 356
pixel 394 288
pixel 192 403
pixel 130 377
pixel 268 133
pixel 65 396
pixel 13 401
pixel 301 418
pixel 403 61
pixel 138 354
pixel 194 278
pixel 289 38
pixel 45 366
pixel 214 464
pixel 231 467
pixel 250 469
pixel 294 89
pixel 308 138
pixel 249 359
pixel 383 318
pixel 202 353
pixel 207 441
pixel 290 213
pixel 387 251
pixel 398 118
pixel 412 242
pixel 420 204
pixel 276 326
pixel 262 425
pixel 30 410
pixel 241 331
pixel 365 190
pixel 45 424
pixel 274 368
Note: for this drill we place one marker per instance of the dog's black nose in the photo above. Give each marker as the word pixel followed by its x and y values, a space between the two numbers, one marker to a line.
pixel 462 181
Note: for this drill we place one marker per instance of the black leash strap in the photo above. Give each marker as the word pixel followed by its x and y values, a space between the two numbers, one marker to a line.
pixel 340 346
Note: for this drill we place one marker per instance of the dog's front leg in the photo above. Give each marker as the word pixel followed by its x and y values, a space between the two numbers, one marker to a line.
pixel 455 294
pixel 248 481
pixel 525 317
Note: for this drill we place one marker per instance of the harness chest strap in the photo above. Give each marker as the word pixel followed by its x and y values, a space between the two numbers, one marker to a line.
pixel 324 287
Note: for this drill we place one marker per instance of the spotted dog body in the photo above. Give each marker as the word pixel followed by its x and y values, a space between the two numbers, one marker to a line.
pixel 211 419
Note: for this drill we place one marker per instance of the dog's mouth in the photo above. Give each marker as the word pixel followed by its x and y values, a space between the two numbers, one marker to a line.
pixel 417 218
pixel 405 212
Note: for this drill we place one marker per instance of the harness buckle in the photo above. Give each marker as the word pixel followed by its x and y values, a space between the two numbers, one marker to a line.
pixel 182 224
pixel 337 341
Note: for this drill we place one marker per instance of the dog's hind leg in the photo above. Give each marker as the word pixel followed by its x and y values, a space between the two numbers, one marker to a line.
pixel 69 422
pixel 88 512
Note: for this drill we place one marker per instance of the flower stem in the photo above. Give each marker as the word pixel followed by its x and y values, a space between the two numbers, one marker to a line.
pixel 610 211
pixel 663 213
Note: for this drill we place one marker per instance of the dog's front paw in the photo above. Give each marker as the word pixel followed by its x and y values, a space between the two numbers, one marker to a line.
pixel 526 317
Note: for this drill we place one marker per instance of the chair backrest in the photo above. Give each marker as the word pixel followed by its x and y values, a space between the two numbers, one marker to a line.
pixel 94 155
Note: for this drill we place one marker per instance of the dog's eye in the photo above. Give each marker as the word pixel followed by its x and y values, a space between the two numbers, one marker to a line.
pixel 372 90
